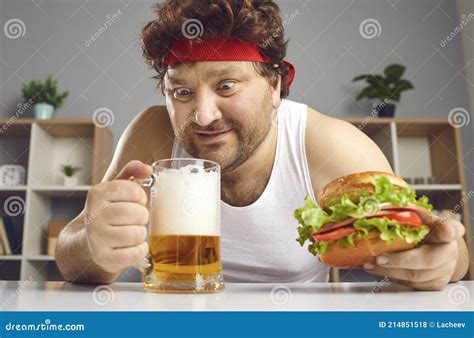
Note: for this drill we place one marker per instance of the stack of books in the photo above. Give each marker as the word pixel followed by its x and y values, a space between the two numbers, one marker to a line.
pixel 10 237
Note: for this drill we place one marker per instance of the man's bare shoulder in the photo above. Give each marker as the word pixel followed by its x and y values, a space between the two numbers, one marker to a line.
pixel 151 130
pixel 335 148
pixel 147 138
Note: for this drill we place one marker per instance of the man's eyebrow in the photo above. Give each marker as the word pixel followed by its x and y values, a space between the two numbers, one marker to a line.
pixel 213 73
pixel 176 80
pixel 222 72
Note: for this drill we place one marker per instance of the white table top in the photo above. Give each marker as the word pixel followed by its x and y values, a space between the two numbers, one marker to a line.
pixel 60 296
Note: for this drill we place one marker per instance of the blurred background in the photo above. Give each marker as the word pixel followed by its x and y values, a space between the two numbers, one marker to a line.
pixel 91 49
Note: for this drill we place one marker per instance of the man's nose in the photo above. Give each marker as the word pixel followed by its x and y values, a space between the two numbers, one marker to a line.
pixel 206 110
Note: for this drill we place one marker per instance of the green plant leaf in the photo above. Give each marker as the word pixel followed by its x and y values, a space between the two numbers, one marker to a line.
pixel 369 92
pixel 360 77
pixel 380 91
pixel 376 80
pixel 394 72
pixel 69 170
pixel 402 86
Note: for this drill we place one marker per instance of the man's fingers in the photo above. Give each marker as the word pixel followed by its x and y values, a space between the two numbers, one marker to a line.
pixel 126 236
pixel 116 191
pixel 136 169
pixel 126 257
pixel 443 230
pixel 125 213
pixel 427 256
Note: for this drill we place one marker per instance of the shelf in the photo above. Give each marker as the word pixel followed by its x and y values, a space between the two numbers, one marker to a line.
pixel 30 258
pixel 10 257
pixel 61 188
pixel 433 187
pixel 41 258
pixel 15 188
pixel 410 129
pixel 61 191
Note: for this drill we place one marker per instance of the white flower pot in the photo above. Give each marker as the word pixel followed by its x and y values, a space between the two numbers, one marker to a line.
pixel 43 111
pixel 70 181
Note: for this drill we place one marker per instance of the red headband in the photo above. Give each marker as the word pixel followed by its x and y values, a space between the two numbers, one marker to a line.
pixel 218 49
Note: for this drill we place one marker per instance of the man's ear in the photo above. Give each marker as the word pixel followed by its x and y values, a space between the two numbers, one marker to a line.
pixel 276 98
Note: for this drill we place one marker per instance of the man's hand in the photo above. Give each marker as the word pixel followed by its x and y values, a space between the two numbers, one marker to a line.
pixel 115 220
pixel 428 267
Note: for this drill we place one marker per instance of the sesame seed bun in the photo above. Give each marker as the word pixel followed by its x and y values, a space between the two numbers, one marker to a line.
pixel 353 185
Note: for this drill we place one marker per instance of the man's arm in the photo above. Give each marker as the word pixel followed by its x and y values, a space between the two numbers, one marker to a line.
pixel 336 148
pixel 74 257
pixel 138 142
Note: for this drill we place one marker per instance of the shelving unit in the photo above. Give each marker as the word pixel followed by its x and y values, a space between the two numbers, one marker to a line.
pixel 421 148
pixel 41 147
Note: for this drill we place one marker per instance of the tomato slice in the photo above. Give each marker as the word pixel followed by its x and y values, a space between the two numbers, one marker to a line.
pixel 334 235
pixel 405 217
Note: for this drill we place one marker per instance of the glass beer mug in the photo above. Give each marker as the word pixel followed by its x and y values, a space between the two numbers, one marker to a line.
pixel 184 229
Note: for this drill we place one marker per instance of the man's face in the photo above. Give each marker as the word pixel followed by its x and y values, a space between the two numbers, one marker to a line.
pixel 220 111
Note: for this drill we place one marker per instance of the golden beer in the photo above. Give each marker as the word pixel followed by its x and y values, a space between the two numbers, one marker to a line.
pixel 183 258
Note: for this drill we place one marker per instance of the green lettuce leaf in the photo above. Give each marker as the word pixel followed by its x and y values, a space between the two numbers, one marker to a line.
pixel 385 191
pixel 318 247
pixel 391 230
pixel 311 217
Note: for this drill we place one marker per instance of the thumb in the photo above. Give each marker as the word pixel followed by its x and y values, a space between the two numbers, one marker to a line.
pixel 443 230
pixel 136 169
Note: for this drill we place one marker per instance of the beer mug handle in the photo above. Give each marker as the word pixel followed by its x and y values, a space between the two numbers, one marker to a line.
pixel 148 182
pixel 144 182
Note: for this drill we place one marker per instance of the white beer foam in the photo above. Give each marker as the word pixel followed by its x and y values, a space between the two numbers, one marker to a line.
pixel 187 202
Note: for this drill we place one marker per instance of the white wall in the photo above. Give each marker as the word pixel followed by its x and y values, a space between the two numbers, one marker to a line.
pixel 325 46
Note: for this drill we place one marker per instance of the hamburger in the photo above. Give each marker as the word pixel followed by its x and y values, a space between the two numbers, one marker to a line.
pixel 360 216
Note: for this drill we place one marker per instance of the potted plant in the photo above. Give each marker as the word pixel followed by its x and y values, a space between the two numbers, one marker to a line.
pixel 69 179
pixel 45 96
pixel 386 88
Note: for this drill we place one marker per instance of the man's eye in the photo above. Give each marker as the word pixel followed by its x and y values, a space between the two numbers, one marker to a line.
pixel 182 92
pixel 226 86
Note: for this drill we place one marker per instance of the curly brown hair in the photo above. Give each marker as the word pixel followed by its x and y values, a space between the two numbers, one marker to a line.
pixel 256 21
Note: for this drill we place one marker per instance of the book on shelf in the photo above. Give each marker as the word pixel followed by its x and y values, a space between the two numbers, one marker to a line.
pixel 7 250
pixel 10 237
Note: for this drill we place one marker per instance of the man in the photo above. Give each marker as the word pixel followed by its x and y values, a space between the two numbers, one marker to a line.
pixel 225 88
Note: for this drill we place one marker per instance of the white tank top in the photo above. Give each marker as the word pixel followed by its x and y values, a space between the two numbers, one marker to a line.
pixel 258 241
